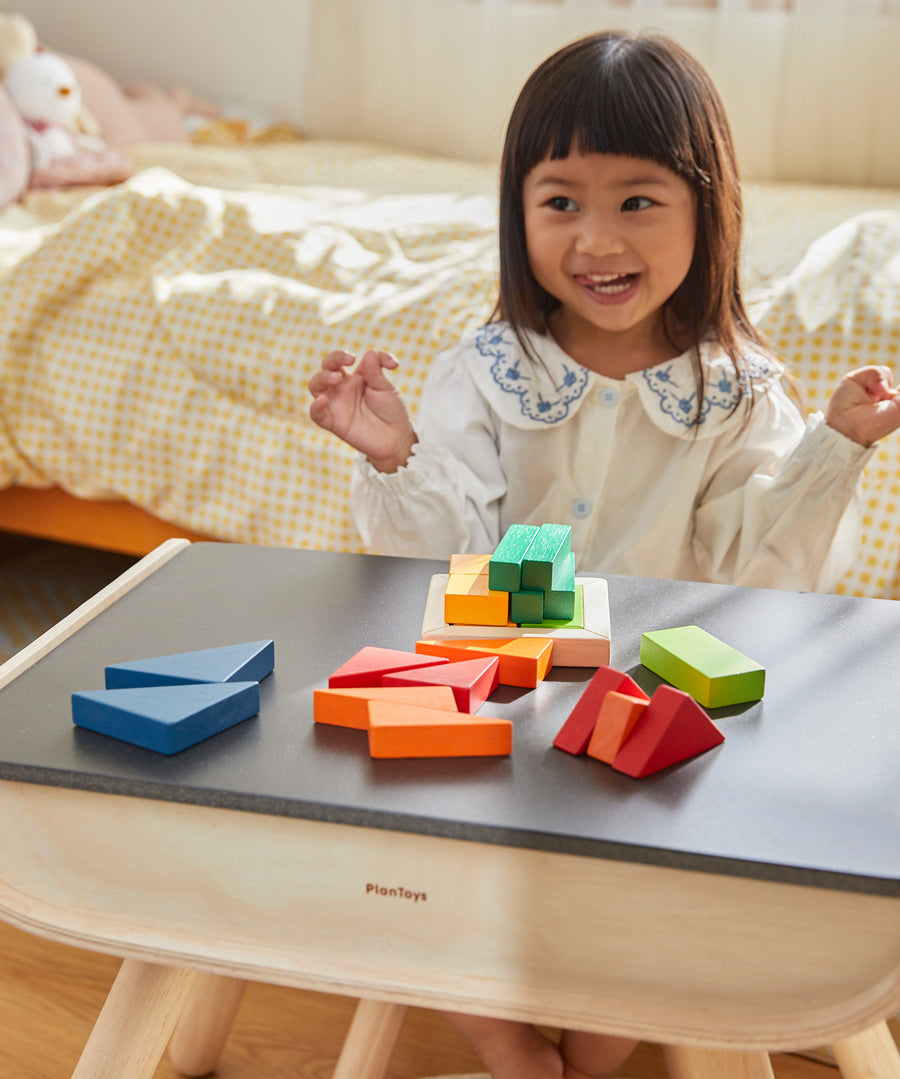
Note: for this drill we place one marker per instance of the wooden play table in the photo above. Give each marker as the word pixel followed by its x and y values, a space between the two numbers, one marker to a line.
pixel 747 900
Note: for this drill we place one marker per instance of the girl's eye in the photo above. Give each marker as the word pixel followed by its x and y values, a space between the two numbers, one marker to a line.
pixel 562 203
pixel 636 202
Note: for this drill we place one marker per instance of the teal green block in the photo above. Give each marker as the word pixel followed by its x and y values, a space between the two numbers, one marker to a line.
pixel 575 622
pixel 559 601
pixel 526 606
pixel 505 566
pixel 546 555
pixel 712 672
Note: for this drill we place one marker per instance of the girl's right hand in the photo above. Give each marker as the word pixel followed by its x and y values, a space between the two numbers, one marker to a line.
pixel 363 408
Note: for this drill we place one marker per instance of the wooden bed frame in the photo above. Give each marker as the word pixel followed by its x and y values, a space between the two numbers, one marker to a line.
pixel 51 513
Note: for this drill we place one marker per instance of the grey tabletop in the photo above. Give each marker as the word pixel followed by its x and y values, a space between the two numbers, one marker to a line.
pixel 805 789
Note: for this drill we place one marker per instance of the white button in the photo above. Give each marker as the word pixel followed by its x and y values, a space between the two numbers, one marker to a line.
pixel 581 507
pixel 609 396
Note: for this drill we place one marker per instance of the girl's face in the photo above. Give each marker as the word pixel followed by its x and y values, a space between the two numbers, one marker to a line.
pixel 611 238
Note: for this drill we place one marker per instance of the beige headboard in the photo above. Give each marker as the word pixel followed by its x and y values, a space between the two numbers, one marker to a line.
pixel 811 87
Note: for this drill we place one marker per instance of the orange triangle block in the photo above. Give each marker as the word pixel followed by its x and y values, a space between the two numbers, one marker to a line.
pixel 366 667
pixel 672 728
pixel 616 720
pixel 576 732
pixel 524 661
pixel 399 730
pixel 349 706
pixel 472 680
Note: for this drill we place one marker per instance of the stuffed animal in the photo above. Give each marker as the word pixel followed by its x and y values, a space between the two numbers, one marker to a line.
pixel 44 89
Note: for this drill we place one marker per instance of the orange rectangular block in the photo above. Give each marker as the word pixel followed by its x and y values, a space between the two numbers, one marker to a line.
pixel 616 719
pixel 469 601
pixel 349 707
pixel 397 730
pixel 524 661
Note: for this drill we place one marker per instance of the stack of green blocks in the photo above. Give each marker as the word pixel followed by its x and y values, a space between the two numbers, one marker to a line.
pixel 536 566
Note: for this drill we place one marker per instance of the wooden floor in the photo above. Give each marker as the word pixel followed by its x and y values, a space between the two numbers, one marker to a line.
pixel 50 995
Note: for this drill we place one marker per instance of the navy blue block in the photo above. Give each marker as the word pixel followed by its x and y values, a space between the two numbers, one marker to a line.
pixel 249 662
pixel 166 719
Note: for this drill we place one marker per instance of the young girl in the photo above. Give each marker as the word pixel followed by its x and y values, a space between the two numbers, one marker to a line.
pixel 619 387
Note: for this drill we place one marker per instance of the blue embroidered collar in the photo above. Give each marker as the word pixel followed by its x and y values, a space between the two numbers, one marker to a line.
pixel 527 393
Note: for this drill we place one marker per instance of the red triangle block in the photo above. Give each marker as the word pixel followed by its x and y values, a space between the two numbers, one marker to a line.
pixel 472 680
pixel 370 664
pixel 575 733
pixel 672 728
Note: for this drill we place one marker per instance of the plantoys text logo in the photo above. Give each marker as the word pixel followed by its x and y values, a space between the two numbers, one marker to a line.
pixel 395 893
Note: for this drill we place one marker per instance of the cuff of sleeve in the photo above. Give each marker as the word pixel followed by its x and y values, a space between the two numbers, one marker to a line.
pixel 821 440
pixel 417 468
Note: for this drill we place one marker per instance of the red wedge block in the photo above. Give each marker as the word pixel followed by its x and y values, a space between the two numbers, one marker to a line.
pixel 575 733
pixel 672 728
pixel 471 680
pixel 369 664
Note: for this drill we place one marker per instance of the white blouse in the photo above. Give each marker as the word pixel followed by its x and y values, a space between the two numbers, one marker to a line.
pixel 750 496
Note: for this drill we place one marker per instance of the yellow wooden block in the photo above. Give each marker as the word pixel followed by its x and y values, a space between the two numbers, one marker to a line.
pixel 468 600
pixel 524 661
pixel 469 563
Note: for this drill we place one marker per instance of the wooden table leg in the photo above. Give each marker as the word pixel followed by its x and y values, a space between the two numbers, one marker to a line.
pixel 136 1022
pixel 370 1041
pixel 688 1062
pixel 204 1025
pixel 871 1054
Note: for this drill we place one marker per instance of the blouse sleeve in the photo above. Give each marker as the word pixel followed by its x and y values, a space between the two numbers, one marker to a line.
pixel 446 499
pixel 781 510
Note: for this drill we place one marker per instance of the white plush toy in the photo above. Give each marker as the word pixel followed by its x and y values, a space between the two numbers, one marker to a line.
pixel 46 93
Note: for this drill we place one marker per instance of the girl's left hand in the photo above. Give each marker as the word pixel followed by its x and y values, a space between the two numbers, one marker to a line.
pixel 865 406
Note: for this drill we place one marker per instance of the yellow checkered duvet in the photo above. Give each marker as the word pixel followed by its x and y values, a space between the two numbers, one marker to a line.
pixel 156 338
pixel 156 343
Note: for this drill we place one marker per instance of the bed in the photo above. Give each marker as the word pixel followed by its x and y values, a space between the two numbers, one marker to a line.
pixel 156 335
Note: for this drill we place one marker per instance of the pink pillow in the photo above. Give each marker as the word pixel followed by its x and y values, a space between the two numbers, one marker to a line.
pixel 15 151
pixel 119 121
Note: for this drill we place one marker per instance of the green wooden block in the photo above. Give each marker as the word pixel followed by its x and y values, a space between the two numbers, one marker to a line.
pixel 559 601
pixel 692 660
pixel 526 605
pixel 575 622
pixel 505 566
pixel 547 553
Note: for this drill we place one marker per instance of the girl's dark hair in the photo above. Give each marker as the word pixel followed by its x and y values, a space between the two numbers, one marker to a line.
pixel 640 96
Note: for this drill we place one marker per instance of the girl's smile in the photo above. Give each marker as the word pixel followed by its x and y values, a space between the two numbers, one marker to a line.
pixel 611 238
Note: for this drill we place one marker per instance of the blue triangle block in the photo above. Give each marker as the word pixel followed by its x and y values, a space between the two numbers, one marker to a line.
pixel 166 719
pixel 231 663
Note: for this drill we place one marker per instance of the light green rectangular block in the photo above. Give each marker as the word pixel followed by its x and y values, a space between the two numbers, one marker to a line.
pixel 559 601
pixel 550 548
pixel 505 566
pixel 715 674
pixel 575 622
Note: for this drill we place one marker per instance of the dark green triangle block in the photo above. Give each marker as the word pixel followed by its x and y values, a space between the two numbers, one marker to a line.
pixel 249 662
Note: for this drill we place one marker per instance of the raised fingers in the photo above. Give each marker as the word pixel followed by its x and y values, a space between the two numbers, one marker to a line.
pixel 331 372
